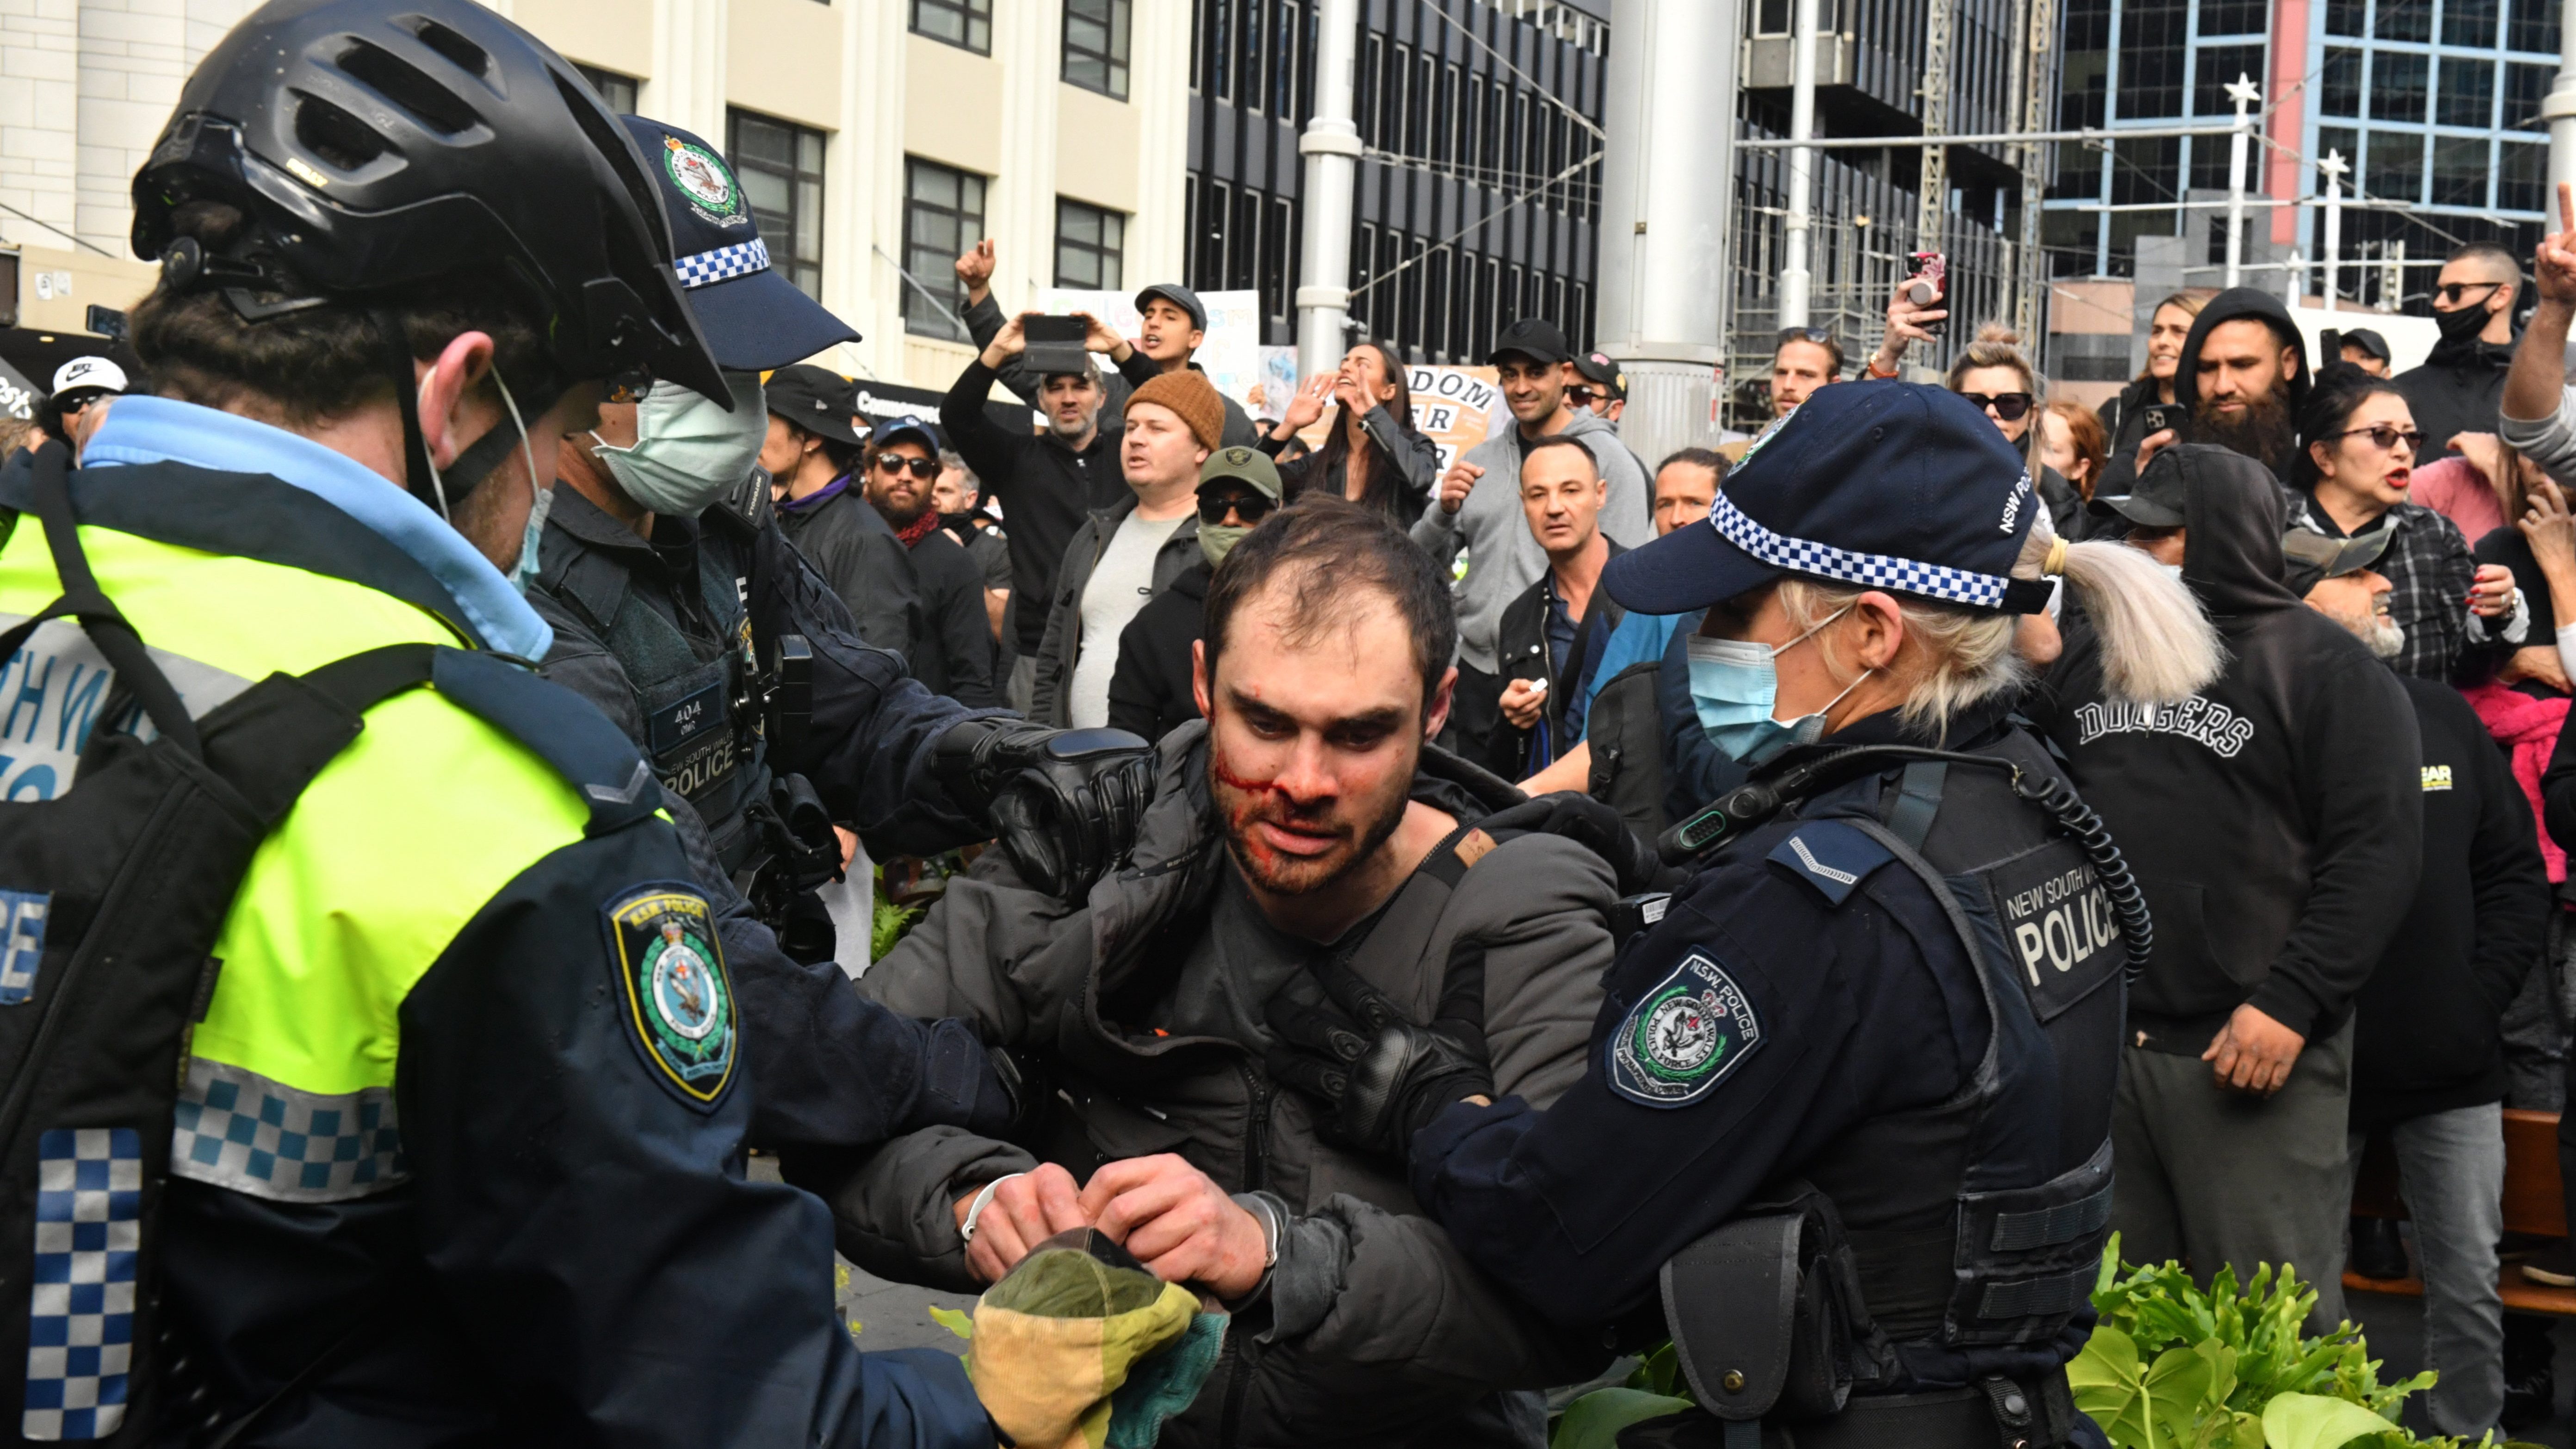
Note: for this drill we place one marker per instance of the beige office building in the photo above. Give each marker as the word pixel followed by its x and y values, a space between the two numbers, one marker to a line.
pixel 872 136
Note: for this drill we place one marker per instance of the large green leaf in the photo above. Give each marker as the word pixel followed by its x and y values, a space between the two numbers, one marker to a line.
pixel 1594 1421
pixel 2312 1421
pixel 2139 1405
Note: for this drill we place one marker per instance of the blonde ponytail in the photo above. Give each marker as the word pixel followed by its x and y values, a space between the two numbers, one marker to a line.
pixel 2157 645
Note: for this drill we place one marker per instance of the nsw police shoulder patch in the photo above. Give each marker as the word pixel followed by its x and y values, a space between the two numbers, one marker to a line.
pixel 674 990
pixel 1684 1036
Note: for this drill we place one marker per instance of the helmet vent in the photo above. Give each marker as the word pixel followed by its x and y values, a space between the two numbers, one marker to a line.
pixel 342 140
pixel 399 82
pixel 614 148
pixel 466 54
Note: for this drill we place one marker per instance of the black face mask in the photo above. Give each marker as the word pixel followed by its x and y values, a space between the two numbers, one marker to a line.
pixel 2463 325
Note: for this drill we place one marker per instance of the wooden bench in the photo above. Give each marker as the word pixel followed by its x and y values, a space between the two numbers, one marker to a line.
pixel 2534 1203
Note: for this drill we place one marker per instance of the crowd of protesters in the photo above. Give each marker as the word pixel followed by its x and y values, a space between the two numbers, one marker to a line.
pixel 2348 841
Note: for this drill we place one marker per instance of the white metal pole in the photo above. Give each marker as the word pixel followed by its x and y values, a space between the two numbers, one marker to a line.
pixel 2334 166
pixel 1331 146
pixel 2243 92
pixel 1802 125
pixel 2558 108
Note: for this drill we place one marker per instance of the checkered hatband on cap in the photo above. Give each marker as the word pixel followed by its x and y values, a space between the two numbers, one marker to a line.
pixel 1869 570
pixel 89 1230
pixel 701 269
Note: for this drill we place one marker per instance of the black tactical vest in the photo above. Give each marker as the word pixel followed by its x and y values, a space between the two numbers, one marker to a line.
pixel 688 656
pixel 1977 1224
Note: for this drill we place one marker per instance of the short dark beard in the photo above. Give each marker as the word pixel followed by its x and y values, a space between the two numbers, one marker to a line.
pixel 1237 804
pixel 2261 430
pixel 892 513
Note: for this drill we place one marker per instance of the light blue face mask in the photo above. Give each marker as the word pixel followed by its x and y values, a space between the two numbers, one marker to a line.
pixel 541 500
pixel 1735 686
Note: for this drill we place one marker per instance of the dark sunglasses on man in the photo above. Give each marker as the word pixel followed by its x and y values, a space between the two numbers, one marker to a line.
pixel 2009 406
pixel 2452 292
pixel 1248 508
pixel 893 465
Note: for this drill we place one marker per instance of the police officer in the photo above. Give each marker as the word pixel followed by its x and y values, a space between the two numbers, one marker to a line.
pixel 678 602
pixel 457 1148
pixel 1844 1135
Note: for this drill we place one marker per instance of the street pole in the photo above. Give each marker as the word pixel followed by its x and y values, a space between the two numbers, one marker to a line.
pixel 1331 146
pixel 2558 108
pixel 1935 197
pixel 1802 164
pixel 2334 166
pixel 2029 315
pixel 1667 191
pixel 2244 93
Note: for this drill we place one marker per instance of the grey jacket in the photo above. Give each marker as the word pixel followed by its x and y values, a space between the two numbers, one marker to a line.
pixel 1051 699
pixel 1375 1328
pixel 1502 558
pixel 984 322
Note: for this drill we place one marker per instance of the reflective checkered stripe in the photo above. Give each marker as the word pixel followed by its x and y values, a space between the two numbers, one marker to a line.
pixel 240 1130
pixel 89 1227
pixel 1869 570
pixel 700 269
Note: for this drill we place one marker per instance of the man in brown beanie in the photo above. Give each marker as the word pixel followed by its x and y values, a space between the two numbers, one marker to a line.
pixel 1126 554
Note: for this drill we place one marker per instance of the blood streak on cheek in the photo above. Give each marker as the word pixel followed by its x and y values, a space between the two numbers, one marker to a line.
pixel 1239 817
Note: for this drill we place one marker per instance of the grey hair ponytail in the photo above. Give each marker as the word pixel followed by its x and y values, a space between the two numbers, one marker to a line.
pixel 2157 644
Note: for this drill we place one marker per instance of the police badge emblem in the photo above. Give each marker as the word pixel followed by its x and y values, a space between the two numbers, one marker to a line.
pixel 703 179
pixel 678 998
pixel 1683 1037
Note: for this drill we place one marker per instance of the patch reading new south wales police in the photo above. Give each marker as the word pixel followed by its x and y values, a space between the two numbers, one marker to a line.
pixel 678 998
pixel 1683 1037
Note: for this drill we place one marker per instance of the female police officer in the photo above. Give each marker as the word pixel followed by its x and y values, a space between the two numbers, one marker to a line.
pixel 1846 1122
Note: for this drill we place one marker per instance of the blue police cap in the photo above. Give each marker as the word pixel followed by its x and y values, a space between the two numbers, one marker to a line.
pixel 754 319
pixel 1883 485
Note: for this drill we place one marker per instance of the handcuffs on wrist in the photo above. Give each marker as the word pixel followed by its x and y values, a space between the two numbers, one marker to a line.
pixel 983 1200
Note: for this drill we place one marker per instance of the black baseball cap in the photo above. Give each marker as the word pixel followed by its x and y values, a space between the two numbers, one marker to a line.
pixel 1538 340
pixel 1601 372
pixel 914 428
pixel 752 317
pixel 1887 485
pixel 2155 500
pixel 1179 296
pixel 817 399
pixel 2309 558
pixel 2367 339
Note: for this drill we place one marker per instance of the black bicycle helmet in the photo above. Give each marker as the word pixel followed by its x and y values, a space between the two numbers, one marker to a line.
pixel 368 145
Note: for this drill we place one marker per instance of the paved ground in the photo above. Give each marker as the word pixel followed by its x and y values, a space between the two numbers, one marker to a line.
pixel 897 1315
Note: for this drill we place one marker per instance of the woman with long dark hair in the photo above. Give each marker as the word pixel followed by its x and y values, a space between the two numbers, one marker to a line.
pixel 1372 456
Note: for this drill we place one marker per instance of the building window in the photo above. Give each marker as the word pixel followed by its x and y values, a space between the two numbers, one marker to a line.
pixel 781 170
pixel 2397 86
pixel 2467 96
pixel 2522 180
pixel 943 215
pixel 617 90
pixel 967 23
pixel 2459 170
pixel 2469 23
pixel 1090 247
pixel 1095 45
pixel 2396 165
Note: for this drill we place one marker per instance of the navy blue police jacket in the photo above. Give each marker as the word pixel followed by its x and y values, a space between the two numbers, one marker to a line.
pixel 1848 995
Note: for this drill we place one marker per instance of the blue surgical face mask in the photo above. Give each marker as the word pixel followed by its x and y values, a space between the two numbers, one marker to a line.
pixel 1735 686
pixel 688 451
pixel 541 495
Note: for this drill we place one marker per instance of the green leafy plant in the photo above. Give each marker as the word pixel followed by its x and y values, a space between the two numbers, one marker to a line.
pixel 2169 1366
pixel 888 926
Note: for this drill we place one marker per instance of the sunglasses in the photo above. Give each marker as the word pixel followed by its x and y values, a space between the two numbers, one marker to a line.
pixel 893 465
pixel 2384 436
pixel 1250 507
pixel 1821 336
pixel 2009 406
pixel 2452 292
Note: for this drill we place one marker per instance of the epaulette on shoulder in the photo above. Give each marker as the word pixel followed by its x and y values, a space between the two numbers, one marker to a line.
pixel 1834 856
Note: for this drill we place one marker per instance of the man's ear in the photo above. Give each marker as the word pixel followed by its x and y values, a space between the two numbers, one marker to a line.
pixel 1197 336
pixel 1200 455
pixel 445 384
pixel 1199 679
pixel 1438 718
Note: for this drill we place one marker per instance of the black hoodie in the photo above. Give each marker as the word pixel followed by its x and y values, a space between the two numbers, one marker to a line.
pixel 2459 389
pixel 2275 820
pixel 2120 474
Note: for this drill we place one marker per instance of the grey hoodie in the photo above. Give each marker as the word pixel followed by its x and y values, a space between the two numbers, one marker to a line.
pixel 1503 560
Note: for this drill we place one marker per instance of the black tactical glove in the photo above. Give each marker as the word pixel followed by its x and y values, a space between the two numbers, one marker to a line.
pixel 1063 803
pixel 1382 1077
pixel 1595 826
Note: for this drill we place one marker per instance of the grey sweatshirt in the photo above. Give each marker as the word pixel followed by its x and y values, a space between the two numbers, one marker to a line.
pixel 1503 560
